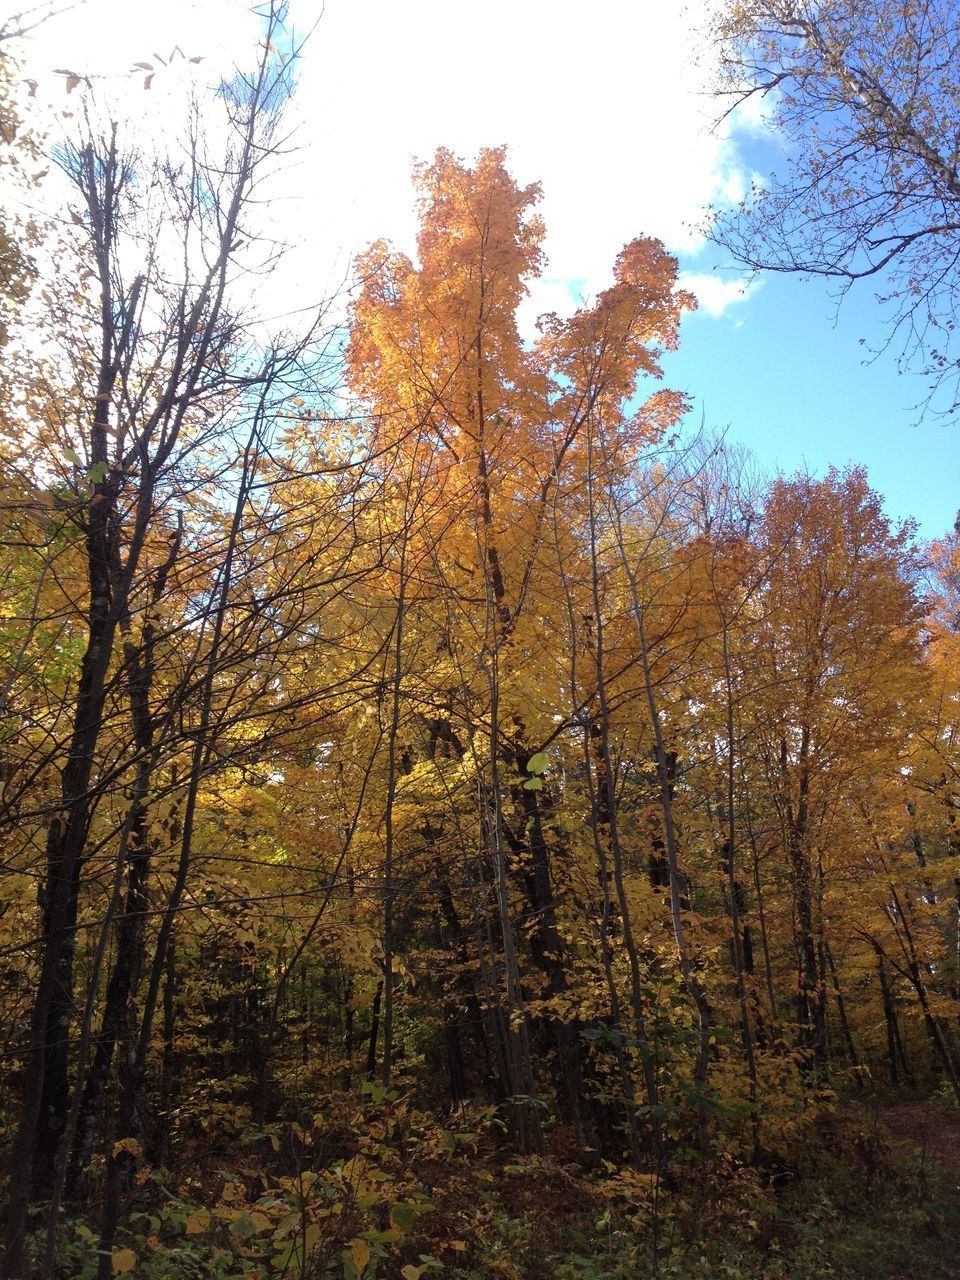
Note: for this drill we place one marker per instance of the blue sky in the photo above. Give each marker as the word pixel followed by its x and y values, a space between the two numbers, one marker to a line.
pixel 785 375
pixel 806 379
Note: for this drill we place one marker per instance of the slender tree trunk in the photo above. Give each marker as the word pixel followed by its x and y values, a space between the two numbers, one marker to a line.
pixel 844 1022
pixel 894 1044
pixel 457 942
pixel 37 1143
pixel 734 888
pixel 389 891
pixel 606 834
pixel 762 919
pixel 166 1059
pixel 498 623
pixel 811 1003
pixel 132 1071
pixel 374 1035
pixel 547 950
pixel 678 886
pixel 139 671
pixel 602 822
pixel 914 971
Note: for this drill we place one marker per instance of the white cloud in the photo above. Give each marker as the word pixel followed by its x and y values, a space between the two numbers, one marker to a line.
pixel 606 110
pixel 715 294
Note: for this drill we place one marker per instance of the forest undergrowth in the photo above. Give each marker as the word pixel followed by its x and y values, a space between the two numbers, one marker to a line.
pixel 381 1189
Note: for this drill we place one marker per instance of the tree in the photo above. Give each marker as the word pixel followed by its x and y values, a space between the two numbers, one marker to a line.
pixel 175 396
pixel 17 235
pixel 864 98
pixel 501 429
pixel 482 728
pixel 836 670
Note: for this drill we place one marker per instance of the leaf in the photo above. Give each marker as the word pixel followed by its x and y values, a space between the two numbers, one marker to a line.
pixel 360 1255
pixel 198 1222
pixel 243 1227
pixel 286 1225
pixel 72 82
pixel 538 763
pixel 124 1260
pixel 410 1272
pixel 533 784
pixel 98 473
pixel 144 66
pixel 128 1144
pixel 71 455
pixel 403 1215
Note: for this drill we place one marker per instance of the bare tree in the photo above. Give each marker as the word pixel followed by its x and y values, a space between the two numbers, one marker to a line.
pixel 864 99
pixel 21 23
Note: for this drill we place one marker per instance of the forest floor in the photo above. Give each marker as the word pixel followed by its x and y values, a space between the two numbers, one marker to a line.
pixel 872 1192
pixel 920 1128
pixel 925 1142
pixel 877 1198
pixel 905 1222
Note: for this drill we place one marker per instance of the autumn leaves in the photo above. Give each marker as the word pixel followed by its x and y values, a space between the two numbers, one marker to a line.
pixel 481 742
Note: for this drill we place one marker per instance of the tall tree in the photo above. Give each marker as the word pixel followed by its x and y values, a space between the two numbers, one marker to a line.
pixel 436 355
pixel 838 656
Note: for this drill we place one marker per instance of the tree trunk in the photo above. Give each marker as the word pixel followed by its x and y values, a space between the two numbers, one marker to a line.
pixel 810 1000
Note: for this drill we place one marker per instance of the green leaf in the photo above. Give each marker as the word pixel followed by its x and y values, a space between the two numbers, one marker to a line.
pixel 377 1093
pixel 538 763
pixel 71 455
pixel 533 784
pixel 403 1215
pixel 243 1227
pixel 659 1113
pixel 97 473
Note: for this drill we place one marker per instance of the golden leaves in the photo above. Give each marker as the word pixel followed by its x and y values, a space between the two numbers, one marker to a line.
pixel 197 1222
pixel 129 1145
pixel 359 1253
